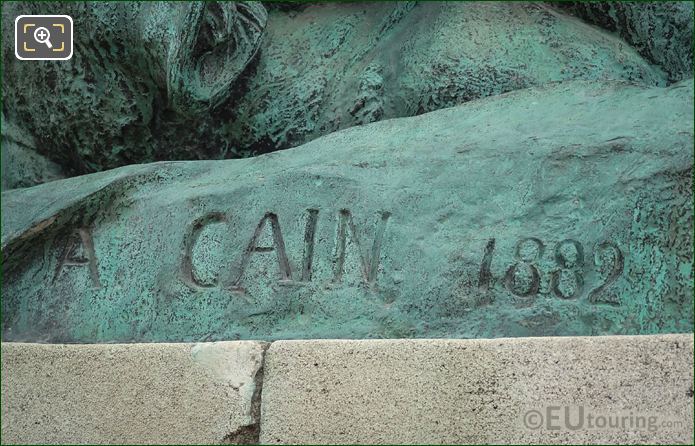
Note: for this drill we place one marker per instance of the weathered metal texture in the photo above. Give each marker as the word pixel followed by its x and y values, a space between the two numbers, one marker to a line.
pixel 190 80
pixel 564 210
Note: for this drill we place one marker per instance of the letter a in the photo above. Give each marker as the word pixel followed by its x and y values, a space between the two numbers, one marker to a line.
pixel 84 236
pixel 278 247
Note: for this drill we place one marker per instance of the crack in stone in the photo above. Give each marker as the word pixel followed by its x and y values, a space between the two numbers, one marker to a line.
pixel 250 434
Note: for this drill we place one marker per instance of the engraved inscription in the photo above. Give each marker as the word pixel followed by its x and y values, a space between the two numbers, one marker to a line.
pixel 286 274
pixel 278 247
pixel 523 257
pixel 369 263
pixel 568 265
pixel 190 239
pixel 523 278
pixel 79 237
pixel 485 276
pixel 309 241
pixel 615 269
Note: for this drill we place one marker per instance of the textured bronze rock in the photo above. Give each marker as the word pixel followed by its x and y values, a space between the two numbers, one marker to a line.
pixel 172 81
pixel 143 75
pixel 661 31
pixel 561 210
pixel 22 166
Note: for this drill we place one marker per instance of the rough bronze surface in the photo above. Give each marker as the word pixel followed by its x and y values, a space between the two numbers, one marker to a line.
pixel 559 210
pixel 660 31
pixel 143 75
pixel 190 80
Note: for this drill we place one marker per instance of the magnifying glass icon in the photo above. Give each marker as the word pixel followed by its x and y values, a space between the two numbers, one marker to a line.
pixel 42 35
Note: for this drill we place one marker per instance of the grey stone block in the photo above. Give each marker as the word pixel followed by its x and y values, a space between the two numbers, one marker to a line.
pixel 479 391
pixel 137 393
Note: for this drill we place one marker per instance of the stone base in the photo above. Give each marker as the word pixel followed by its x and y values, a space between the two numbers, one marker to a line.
pixel 479 391
pixel 613 389
pixel 129 393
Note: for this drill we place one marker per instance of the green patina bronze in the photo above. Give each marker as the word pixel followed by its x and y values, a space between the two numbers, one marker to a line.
pixel 531 174
pixel 189 80
pixel 562 210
